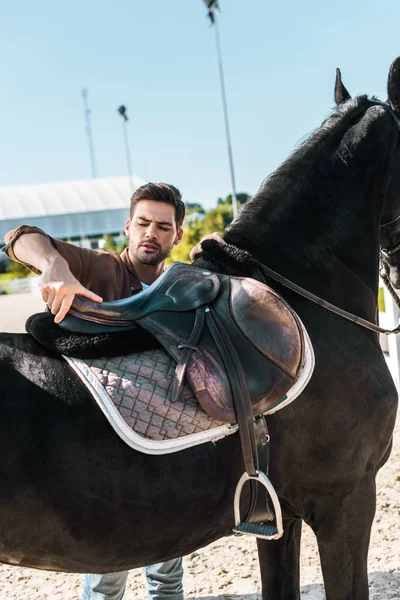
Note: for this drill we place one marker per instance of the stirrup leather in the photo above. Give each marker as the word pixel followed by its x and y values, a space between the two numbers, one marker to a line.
pixel 265 531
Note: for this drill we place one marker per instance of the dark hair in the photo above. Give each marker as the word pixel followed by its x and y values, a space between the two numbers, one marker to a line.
pixel 160 192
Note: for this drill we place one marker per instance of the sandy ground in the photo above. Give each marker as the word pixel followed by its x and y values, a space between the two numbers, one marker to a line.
pixel 227 569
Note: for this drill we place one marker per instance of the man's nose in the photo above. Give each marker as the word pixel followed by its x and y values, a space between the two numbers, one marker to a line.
pixel 151 231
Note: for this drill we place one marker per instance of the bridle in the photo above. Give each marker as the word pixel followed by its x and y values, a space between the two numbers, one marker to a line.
pixel 385 252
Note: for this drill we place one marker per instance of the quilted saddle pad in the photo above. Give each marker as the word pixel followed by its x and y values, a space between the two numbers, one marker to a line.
pixel 134 392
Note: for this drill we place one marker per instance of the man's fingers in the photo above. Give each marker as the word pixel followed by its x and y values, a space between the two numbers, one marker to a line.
pixel 62 303
pixel 88 294
pixel 45 293
pixel 210 236
pixel 64 308
pixel 215 236
pixel 195 251
pixel 59 297
pixel 50 298
pixel 57 302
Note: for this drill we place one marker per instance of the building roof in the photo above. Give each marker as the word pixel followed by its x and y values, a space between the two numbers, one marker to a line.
pixel 26 201
pixel 66 210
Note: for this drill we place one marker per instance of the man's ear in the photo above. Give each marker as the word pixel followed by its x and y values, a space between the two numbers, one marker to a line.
pixel 127 225
pixel 178 238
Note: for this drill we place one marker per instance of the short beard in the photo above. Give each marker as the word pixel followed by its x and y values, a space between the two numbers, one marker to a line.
pixel 150 259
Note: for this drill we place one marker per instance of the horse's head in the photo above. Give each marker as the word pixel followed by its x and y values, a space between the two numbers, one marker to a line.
pixel 390 221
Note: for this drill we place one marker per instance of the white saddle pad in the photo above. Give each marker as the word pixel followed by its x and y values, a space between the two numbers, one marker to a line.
pixel 134 391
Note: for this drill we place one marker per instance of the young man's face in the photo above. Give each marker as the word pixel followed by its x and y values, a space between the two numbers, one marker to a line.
pixel 152 231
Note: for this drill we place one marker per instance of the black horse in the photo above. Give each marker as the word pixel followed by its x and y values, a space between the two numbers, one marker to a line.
pixel 74 497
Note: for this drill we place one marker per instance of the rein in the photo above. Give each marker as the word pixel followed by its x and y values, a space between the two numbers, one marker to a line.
pixel 323 303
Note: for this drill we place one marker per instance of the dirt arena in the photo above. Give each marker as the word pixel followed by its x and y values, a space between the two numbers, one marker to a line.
pixel 227 569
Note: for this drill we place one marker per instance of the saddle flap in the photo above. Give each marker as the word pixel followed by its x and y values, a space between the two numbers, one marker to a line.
pixel 209 380
pixel 268 340
pixel 268 323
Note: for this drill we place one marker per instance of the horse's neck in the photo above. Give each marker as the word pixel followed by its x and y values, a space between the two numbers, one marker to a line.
pixel 330 252
pixel 316 219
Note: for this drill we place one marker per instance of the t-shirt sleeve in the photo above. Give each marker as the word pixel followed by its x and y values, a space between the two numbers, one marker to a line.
pixel 85 264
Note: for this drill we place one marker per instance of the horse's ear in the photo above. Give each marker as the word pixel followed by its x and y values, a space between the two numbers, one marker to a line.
pixel 341 94
pixel 394 84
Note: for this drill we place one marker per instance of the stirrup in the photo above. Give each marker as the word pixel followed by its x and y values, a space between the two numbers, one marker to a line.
pixel 264 531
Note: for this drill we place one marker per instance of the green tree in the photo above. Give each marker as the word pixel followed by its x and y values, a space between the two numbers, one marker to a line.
pixel 194 207
pixel 241 198
pixel 121 247
pixel 111 244
pixel 217 219
pixel 192 234
pixel 4 264
pixel 18 270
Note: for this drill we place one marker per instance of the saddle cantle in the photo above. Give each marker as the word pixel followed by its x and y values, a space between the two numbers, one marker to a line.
pixel 266 333
pixel 239 345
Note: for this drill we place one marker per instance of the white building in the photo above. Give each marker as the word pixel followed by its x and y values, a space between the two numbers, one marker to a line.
pixel 69 210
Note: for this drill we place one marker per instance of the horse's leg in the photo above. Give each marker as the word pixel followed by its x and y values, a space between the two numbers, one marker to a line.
pixel 279 564
pixel 343 528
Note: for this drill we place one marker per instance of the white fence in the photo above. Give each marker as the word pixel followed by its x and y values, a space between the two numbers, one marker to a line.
pixel 19 286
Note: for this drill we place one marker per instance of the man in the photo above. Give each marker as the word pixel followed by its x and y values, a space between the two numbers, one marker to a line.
pixel 154 227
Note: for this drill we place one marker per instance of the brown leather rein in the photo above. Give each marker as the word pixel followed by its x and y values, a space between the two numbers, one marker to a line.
pixel 327 305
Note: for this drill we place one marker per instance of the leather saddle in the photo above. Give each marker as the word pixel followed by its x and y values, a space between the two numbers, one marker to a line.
pixel 198 317
pixel 238 343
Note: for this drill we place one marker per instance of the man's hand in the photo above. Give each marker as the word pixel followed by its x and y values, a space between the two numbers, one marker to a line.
pixel 59 288
pixel 210 236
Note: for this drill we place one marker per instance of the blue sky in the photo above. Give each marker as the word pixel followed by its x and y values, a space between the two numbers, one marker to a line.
pixel 159 59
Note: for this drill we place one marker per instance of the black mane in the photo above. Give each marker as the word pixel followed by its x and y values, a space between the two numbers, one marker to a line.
pixel 319 142
pixel 313 189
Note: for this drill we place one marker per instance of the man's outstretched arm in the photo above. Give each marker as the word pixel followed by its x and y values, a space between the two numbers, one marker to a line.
pixel 58 284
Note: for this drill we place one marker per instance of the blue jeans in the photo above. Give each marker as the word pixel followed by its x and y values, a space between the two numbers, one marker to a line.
pixel 164 582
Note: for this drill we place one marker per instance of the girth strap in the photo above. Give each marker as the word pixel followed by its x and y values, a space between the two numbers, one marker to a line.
pixel 240 394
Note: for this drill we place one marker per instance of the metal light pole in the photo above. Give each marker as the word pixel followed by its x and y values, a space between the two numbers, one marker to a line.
pixel 212 6
pixel 87 111
pixel 122 111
